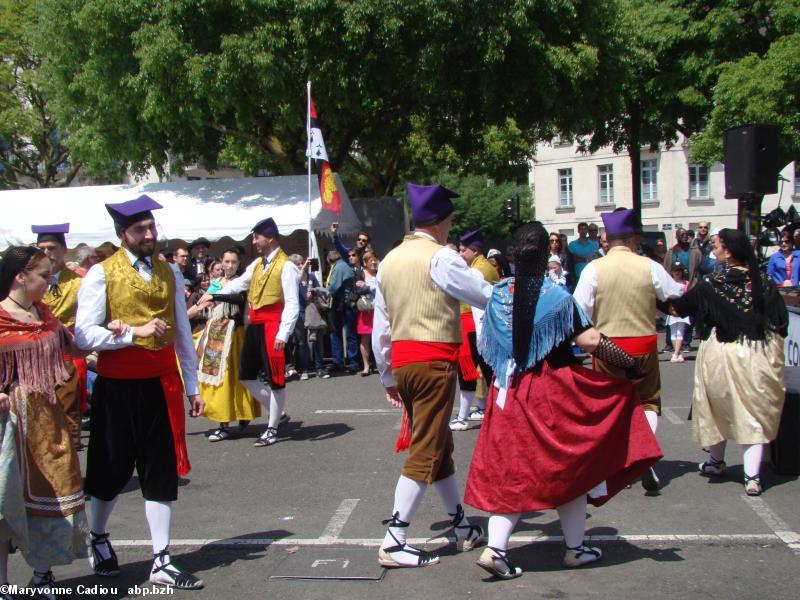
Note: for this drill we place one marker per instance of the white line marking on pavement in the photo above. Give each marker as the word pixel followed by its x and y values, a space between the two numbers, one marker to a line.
pixel 722 538
pixel 356 411
pixel 672 416
pixel 338 520
pixel 774 522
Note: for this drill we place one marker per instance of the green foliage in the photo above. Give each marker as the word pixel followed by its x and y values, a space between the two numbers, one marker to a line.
pixel 481 204
pixel 32 149
pixel 404 87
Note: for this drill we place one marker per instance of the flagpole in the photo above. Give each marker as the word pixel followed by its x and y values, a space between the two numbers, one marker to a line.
pixel 308 155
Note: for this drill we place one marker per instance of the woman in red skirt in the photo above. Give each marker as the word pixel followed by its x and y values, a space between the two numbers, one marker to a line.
pixel 555 434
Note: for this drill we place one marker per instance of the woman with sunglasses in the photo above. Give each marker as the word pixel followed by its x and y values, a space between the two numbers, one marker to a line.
pixel 784 267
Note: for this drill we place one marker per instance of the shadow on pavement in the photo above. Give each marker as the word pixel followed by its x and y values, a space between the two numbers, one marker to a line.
pixel 199 561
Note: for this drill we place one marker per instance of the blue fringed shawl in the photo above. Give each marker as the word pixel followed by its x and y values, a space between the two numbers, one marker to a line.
pixel 552 324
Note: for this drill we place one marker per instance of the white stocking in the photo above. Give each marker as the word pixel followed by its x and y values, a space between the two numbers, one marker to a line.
pixel 466 399
pixel 573 521
pixel 500 529
pixel 407 497
pixel 753 454
pixel 158 518
pixel 258 390
pixel 652 420
pixel 99 513
pixel 276 403
pixel 717 451
pixel 451 498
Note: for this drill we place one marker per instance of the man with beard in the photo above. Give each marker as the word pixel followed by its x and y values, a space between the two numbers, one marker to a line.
pixel 131 310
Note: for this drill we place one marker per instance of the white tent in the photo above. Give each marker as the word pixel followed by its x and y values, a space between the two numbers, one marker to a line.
pixel 212 208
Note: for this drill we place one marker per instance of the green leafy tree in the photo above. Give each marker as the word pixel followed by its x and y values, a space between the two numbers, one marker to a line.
pixel 167 83
pixel 33 152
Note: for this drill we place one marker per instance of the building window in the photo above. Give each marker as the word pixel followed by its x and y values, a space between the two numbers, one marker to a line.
pixel 649 180
pixel 605 174
pixel 565 187
pixel 698 181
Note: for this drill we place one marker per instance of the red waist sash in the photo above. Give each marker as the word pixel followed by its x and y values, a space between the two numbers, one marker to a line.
pixel 465 362
pixel 270 317
pixel 637 346
pixel 405 352
pixel 135 362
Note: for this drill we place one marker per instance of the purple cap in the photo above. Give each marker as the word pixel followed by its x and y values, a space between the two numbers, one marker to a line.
pixel 266 227
pixel 621 223
pixel 127 213
pixel 51 233
pixel 429 203
pixel 473 239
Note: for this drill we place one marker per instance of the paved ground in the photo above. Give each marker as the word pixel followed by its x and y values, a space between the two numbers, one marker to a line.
pixel 312 505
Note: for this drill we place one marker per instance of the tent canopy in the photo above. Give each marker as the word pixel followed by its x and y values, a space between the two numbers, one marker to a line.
pixel 211 208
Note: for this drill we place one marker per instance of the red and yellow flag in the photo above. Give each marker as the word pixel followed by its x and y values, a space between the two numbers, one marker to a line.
pixel 328 192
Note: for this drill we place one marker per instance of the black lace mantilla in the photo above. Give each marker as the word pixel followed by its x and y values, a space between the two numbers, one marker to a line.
pixel 724 301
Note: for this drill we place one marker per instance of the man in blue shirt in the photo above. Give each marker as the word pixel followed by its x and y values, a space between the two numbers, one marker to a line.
pixel 583 250
pixel 341 282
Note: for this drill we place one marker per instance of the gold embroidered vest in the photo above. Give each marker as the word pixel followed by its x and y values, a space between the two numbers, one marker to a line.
pixel 418 309
pixel 490 274
pixel 135 301
pixel 65 305
pixel 265 286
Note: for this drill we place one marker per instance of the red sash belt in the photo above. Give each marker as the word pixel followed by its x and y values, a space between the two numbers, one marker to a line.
pixel 270 317
pixel 637 346
pixel 135 362
pixel 405 352
pixel 468 369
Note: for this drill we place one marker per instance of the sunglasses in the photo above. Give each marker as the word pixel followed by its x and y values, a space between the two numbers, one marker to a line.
pixel 365 240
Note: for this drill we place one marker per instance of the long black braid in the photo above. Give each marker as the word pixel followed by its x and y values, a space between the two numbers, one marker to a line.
pixel 531 241
pixel 738 244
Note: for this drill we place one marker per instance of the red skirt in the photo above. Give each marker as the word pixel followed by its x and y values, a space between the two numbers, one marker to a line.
pixel 561 432
pixel 364 323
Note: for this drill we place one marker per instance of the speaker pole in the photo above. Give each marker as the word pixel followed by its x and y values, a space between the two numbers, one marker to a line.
pixel 749 214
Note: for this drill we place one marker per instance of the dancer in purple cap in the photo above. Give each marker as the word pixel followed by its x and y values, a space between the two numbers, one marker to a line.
pixel 619 293
pixel 131 309
pixel 416 337
pixel 271 285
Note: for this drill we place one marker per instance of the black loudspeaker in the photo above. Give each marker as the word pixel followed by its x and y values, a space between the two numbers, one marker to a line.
pixel 751 160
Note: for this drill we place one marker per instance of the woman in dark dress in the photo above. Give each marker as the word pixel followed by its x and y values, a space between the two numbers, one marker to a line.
pixel 554 432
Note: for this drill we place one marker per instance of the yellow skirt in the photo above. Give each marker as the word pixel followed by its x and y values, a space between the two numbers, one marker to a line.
pixel 230 401
pixel 738 391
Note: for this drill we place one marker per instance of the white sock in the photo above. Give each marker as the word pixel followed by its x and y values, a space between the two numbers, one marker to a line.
pixel 451 498
pixel 276 403
pixel 652 420
pixel 717 451
pixel 573 520
pixel 158 518
pixel 99 513
pixel 500 529
pixel 466 398
pixel 3 561
pixel 753 453
pixel 258 390
pixel 481 404
pixel 407 497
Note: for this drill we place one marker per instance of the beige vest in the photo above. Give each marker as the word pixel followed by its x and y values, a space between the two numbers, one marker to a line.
pixel 418 310
pixel 625 305
pixel 135 301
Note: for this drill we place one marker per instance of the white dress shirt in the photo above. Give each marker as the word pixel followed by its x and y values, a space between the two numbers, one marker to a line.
pixel 91 333
pixel 450 274
pixel 289 278
pixel 586 290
